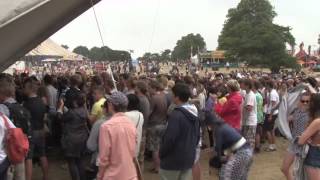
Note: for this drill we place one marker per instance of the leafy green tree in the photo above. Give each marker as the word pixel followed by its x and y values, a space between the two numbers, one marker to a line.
pixel 146 56
pixel 83 50
pixel 287 36
pixel 166 55
pixel 115 55
pixel 97 54
pixel 155 56
pixel 249 35
pixel 182 50
pixel 107 54
pixel 151 57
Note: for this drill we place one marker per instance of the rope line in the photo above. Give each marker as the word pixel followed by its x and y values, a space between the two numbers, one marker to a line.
pixel 97 23
pixel 101 37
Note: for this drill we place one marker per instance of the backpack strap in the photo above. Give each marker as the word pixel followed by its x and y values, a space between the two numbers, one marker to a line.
pixel 10 107
pixel 138 121
pixel 5 119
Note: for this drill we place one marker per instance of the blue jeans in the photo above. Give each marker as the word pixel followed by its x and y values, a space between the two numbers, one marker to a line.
pixel 4 168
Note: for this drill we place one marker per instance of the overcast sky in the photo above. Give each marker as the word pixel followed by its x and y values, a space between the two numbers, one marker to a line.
pixel 155 25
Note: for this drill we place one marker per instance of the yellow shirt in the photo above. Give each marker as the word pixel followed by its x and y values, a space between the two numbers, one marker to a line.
pixel 97 109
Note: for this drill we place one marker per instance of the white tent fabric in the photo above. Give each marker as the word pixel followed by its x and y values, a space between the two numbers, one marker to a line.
pixel 51 48
pixel 288 104
pixel 26 23
pixel 47 47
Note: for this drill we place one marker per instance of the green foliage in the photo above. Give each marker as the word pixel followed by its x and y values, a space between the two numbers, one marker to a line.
pixel 147 56
pixel 151 56
pixel 249 35
pixel 103 53
pixel 182 50
pixel 83 50
pixel 97 54
pixel 166 55
pixel 183 47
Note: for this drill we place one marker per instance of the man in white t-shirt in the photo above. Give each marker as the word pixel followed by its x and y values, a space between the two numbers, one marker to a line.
pixel 271 114
pixel 249 113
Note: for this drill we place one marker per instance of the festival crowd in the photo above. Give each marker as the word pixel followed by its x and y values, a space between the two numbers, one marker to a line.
pixel 107 125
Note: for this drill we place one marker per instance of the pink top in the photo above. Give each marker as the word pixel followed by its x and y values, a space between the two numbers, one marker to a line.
pixel 117 144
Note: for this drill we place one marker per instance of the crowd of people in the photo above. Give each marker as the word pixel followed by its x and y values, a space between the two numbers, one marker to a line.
pixel 40 68
pixel 118 120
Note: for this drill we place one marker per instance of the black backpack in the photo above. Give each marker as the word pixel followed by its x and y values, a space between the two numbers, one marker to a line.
pixel 20 117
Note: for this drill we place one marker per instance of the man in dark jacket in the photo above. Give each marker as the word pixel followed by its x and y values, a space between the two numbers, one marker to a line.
pixel 179 143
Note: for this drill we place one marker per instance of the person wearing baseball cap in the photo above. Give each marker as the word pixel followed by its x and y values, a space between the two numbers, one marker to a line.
pixel 117 142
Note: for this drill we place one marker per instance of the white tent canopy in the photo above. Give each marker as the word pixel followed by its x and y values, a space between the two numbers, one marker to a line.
pixel 26 23
pixel 50 48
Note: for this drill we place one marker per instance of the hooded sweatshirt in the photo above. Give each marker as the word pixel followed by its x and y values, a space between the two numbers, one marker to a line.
pixel 180 140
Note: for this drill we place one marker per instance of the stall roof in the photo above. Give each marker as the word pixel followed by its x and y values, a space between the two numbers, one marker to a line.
pixel 51 48
pixel 217 54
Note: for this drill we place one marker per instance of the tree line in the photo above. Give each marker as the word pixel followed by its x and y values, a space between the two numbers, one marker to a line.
pixel 248 35
pixel 103 53
pixel 182 51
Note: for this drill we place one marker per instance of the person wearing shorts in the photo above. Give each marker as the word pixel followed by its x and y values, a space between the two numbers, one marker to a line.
pixel 268 127
pixel 249 114
pixel 259 133
pixel 156 121
pixel 269 122
pixel 271 114
pixel 311 136
pixel 154 137
pixel 35 105
pixel 260 115
pixel 37 146
pixel 299 119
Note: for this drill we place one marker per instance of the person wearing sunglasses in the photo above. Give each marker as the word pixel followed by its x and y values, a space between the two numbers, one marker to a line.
pixel 311 136
pixel 299 120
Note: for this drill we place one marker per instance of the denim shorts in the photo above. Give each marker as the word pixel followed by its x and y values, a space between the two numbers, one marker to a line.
pixel 313 157
pixel 269 125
